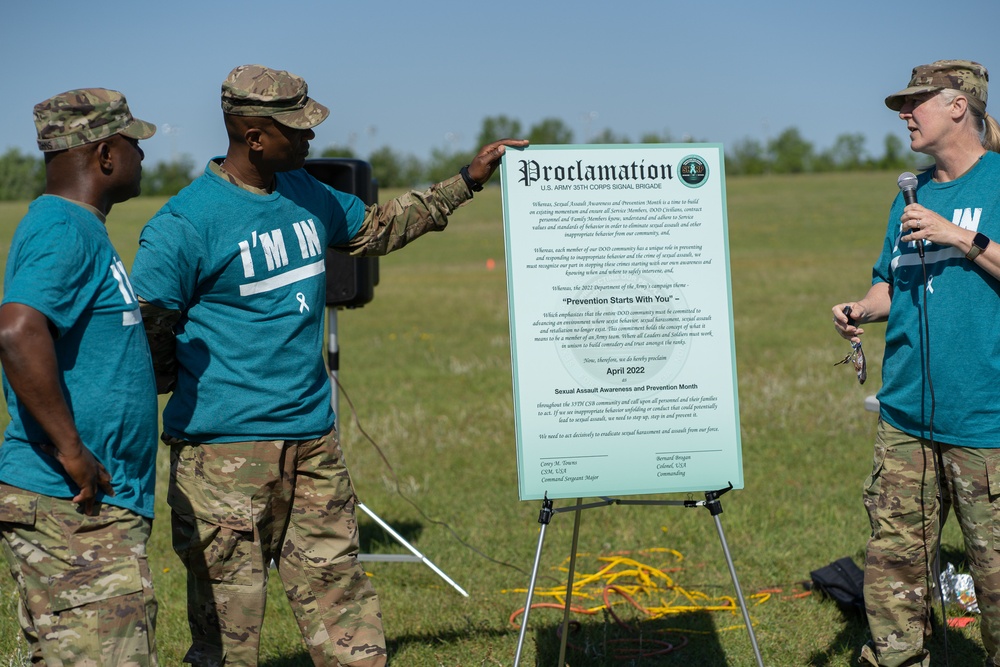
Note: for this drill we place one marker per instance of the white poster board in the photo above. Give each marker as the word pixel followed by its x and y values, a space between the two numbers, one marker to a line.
pixel 620 300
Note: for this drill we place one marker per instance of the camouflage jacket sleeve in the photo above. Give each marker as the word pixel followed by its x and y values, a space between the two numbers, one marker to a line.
pixel 392 225
pixel 159 324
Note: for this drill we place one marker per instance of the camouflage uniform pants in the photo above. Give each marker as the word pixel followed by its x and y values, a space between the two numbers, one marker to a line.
pixel 904 508
pixel 238 506
pixel 86 591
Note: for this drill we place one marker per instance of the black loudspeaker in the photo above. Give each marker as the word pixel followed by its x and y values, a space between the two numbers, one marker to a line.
pixel 350 281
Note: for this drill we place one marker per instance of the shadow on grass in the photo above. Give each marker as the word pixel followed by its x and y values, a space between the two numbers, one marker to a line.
pixel 300 659
pixel 375 539
pixel 951 648
pixel 854 634
pixel 599 641
pixel 396 645
pixel 956 556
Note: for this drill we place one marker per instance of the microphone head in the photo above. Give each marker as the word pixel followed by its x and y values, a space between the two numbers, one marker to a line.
pixel 907 181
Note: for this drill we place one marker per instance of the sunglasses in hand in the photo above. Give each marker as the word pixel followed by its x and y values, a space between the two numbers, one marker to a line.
pixel 856 357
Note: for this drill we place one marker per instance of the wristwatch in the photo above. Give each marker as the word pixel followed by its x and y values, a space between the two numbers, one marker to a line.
pixel 469 181
pixel 978 245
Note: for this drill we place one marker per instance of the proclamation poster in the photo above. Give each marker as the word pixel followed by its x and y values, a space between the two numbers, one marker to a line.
pixel 620 300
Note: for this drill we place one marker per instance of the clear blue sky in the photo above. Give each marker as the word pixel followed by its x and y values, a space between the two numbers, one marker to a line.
pixel 418 76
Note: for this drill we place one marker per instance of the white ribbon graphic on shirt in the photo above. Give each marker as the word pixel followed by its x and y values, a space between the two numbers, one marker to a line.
pixel 302 302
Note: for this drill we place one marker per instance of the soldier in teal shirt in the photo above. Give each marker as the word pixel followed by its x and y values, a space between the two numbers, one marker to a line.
pixel 231 273
pixel 939 421
pixel 77 465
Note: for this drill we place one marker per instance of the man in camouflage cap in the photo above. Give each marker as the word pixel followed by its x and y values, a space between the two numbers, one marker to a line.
pixel 79 117
pixel 78 458
pixel 231 273
pixel 253 90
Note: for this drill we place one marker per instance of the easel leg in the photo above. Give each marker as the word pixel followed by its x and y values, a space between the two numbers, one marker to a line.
pixel 543 518
pixel 711 502
pixel 569 584
pixel 714 506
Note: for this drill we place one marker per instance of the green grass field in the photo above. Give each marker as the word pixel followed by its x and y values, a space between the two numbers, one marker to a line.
pixel 427 367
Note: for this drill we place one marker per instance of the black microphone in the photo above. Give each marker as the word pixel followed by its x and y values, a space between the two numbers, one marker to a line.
pixel 907 183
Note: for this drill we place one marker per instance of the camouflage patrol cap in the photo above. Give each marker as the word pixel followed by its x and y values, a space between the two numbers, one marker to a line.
pixel 966 76
pixel 255 90
pixel 79 117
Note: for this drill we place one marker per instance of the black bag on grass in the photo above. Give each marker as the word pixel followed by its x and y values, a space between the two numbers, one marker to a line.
pixel 843 582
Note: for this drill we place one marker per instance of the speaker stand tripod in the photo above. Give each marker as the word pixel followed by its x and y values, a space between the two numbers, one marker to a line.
pixel 333 360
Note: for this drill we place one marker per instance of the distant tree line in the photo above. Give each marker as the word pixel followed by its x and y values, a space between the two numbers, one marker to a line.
pixel 22 176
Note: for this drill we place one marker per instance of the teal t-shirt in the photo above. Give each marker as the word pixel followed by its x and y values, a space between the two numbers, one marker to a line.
pixel 247 271
pixel 963 309
pixel 62 264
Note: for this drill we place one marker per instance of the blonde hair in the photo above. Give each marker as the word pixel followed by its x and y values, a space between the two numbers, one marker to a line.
pixel 986 126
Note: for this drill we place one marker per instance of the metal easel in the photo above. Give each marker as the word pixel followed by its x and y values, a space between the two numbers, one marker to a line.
pixel 712 502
